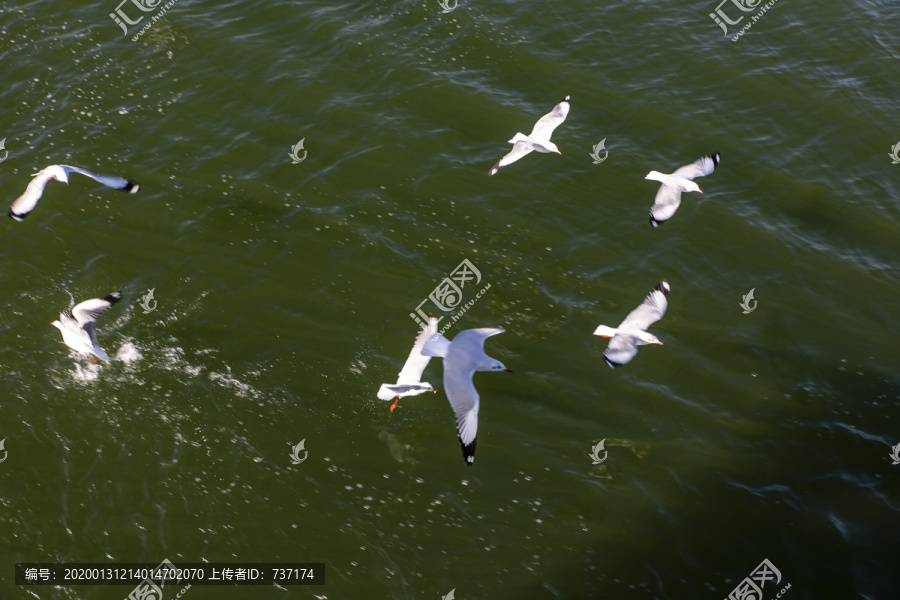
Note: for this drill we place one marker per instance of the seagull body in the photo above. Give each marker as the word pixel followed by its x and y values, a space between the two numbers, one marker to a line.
pixel 409 381
pixel 668 197
pixel 78 328
pixel 632 332
pixel 539 139
pixel 462 357
pixel 25 203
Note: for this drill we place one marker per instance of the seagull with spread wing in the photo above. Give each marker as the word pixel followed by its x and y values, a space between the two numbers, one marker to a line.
pixel 78 328
pixel 25 203
pixel 668 197
pixel 632 332
pixel 539 139
pixel 462 357
pixel 409 382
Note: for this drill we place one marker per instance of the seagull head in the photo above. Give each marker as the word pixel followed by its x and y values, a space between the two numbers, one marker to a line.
pixel 648 338
pixel 495 365
pixel 547 146
pixel 57 324
pixel 690 186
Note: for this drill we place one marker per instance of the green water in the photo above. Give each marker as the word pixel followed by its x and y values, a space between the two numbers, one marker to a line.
pixel 284 290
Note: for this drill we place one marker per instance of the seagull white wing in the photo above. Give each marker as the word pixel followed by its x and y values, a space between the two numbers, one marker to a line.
pixel 100 352
pixel 87 312
pixel 25 203
pixel 459 367
pixel 416 362
pixel 519 150
pixel 543 129
pixel 701 167
pixel 470 342
pixel 463 398
pixel 667 201
pixel 621 349
pixel 113 181
pixel 436 345
pixel 651 309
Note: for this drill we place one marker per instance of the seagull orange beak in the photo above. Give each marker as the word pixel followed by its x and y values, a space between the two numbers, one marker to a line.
pixel 699 190
pixel 601 335
pixel 508 370
pixel 660 343
pixel 558 152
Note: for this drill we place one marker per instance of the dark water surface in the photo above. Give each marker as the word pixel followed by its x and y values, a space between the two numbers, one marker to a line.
pixel 284 292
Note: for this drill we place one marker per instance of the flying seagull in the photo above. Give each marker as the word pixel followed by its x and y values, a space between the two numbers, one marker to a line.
pixel 78 328
pixel 462 357
pixel 668 197
pixel 539 139
pixel 632 332
pixel 25 203
pixel 409 382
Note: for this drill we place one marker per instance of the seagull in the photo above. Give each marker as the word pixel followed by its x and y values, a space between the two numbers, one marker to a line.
pixel 539 139
pixel 632 332
pixel 25 203
pixel 78 328
pixel 409 381
pixel 668 198
pixel 462 357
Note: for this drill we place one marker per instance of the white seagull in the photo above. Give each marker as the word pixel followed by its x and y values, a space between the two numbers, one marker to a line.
pixel 539 139
pixel 462 357
pixel 668 197
pixel 78 328
pixel 25 203
pixel 632 332
pixel 409 382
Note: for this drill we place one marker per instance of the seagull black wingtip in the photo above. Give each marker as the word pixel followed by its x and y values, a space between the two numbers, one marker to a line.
pixel 113 298
pixel 468 452
pixel 16 217
pixel 663 286
pixel 611 363
pixel 132 187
